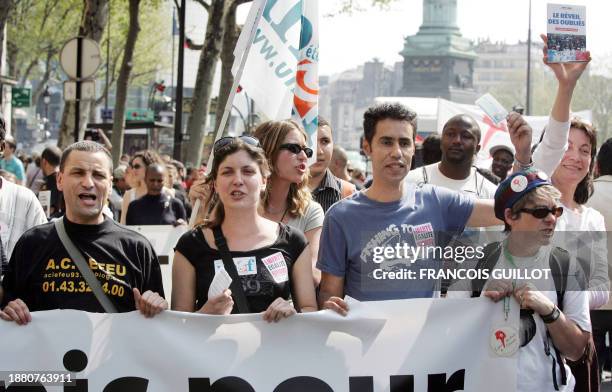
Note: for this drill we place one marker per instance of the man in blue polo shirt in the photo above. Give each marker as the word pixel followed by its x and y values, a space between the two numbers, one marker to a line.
pixel 363 251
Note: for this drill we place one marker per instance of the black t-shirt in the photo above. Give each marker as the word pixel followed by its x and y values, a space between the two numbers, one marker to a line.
pixel 265 273
pixel 155 210
pixel 43 275
pixel 57 197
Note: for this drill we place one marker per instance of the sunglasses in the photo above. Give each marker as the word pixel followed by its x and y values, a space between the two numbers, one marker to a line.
pixel 296 149
pixel 135 166
pixel 226 140
pixel 542 212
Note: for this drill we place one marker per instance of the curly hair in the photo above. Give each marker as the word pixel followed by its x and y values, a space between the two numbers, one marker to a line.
pixel 271 135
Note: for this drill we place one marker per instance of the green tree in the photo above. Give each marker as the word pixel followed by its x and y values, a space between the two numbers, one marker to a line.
pixel 150 51
pixel 123 80
pixel 37 30
pixel 594 92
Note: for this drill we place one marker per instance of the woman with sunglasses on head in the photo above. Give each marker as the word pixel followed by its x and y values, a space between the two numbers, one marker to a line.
pixel 287 198
pixel 271 261
pixel 136 178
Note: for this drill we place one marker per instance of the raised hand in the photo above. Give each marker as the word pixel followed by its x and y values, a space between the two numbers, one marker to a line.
pixel 566 73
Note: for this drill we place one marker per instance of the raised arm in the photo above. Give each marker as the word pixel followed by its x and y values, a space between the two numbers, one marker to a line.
pixel 549 153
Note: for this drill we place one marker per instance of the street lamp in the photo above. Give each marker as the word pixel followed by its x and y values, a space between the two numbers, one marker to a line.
pixel 47 100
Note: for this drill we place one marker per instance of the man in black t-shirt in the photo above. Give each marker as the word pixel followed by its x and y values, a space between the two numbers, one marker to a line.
pixel 49 163
pixel 156 207
pixel 41 274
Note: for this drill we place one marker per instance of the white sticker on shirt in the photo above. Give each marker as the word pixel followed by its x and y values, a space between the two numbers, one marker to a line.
pixel 246 265
pixel 277 267
pixel 424 235
pixel 219 265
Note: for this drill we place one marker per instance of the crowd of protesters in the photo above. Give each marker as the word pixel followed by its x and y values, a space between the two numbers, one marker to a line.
pixel 298 238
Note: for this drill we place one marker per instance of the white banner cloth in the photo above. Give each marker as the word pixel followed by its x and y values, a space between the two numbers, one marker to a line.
pixel 440 342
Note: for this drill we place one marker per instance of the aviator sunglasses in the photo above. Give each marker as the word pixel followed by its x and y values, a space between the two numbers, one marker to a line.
pixel 296 149
pixel 226 140
pixel 542 212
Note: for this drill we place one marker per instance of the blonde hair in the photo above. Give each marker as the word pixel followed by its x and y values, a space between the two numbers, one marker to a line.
pixel 271 135
pixel 215 212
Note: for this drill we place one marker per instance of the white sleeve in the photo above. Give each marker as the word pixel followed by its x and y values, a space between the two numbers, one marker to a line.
pixel 549 153
pixel 35 215
pixel 576 308
pixel 599 281
pixel 599 296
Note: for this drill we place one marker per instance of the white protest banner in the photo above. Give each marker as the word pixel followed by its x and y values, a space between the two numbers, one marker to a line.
pixel 270 68
pixel 407 345
pixel 163 238
pixel 306 92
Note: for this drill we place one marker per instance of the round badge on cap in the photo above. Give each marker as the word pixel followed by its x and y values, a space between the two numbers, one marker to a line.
pixel 519 183
pixel 542 176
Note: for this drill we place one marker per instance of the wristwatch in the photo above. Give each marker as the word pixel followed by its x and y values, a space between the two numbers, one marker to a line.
pixel 553 316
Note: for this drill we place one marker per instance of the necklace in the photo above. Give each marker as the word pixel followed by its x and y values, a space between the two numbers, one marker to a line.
pixel 274 213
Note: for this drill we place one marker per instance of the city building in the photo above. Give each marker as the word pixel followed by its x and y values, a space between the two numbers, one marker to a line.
pixel 499 62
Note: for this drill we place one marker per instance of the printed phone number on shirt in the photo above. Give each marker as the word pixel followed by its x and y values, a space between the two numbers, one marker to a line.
pixel 68 286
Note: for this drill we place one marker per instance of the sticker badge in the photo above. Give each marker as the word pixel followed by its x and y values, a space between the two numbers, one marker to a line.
pixel 542 175
pixel 504 341
pixel 424 235
pixel 519 183
pixel 219 265
pixel 277 267
pixel 246 265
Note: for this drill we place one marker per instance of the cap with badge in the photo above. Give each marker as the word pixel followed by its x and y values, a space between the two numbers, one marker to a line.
pixel 515 187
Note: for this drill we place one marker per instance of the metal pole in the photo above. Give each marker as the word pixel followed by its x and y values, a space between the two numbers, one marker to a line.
pixel 178 110
pixel 77 104
pixel 528 100
pixel 107 61
pixel 172 68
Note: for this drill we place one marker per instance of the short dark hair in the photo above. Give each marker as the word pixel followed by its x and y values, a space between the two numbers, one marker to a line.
pixel 431 149
pixel 466 118
pixel 322 122
pixel 85 146
pixel 387 110
pixel 52 154
pixel 604 158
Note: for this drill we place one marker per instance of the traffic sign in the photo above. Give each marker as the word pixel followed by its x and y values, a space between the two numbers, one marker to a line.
pixel 88 90
pixel 21 97
pixel 138 114
pixel 90 58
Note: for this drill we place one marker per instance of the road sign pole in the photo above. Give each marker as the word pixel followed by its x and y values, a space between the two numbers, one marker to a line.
pixel 77 104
